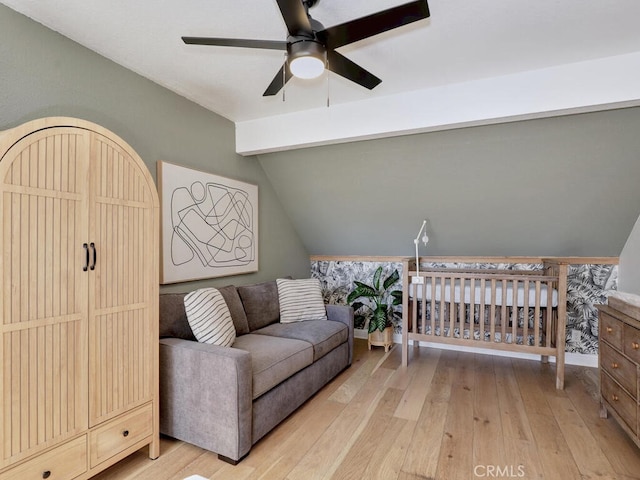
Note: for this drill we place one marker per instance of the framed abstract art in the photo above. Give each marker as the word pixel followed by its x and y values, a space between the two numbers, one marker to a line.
pixel 209 225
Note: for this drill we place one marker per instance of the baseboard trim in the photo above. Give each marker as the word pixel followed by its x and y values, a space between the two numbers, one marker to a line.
pixel 570 358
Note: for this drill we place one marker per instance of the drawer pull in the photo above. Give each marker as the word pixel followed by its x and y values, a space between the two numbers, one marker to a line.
pixel 635 345
pixel 614 365
pixel 609 329
pixel 125 433
pixel 46 474
pixel 614 397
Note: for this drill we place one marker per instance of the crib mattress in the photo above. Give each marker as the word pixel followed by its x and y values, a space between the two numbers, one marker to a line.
pixel 460 296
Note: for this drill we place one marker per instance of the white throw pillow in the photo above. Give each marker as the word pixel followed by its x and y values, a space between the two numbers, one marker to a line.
pixel 209 317
pixel 300 300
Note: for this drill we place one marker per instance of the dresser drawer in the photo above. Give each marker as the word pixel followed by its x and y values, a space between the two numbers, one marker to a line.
pixel 624 371
pixel 625 406
pixel 611 330
pixel 120 433
pixel 632 343
pixel 64 462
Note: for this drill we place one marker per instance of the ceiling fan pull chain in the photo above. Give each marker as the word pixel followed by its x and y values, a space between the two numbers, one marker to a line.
pixel 284 76
pixel 328 83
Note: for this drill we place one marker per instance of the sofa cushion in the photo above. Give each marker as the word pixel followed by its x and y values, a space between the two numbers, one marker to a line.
pixel 300 300
pixel 173 318
pixel 274 359
pixel 260 303
pixel 209 317
pixel 322 334
pixel 231 296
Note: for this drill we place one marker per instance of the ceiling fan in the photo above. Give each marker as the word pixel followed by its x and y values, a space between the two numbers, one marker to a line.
pixel 311 48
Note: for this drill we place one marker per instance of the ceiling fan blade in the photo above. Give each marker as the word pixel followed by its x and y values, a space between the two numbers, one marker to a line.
pixel 236 42
pixel 364 27
pixel 351 71
pixel 295 16
pixel 282 77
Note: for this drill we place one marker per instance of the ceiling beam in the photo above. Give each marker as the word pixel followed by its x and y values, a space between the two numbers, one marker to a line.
pixel 607 83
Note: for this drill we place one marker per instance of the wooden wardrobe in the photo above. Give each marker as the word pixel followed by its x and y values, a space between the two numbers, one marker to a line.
pixel 79 301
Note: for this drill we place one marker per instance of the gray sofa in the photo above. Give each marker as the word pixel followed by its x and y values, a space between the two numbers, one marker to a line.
pixel 225 399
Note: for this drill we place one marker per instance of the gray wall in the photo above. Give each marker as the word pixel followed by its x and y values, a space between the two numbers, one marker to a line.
pixel 558 187
pixel 44 74
pixel 629 276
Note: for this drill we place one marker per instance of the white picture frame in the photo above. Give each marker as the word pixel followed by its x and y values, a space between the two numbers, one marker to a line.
pixel 209 225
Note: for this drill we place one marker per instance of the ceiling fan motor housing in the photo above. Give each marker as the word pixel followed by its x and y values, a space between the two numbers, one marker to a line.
pixel 309 52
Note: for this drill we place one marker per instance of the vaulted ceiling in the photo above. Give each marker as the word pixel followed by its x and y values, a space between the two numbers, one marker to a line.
pixel 469 63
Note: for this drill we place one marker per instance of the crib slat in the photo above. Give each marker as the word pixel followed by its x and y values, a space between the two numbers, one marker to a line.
pixel 525 314
pixel 492 313
pixel 442 305
pixel 514 312
pixel 433 305
pixel 549 327
pixel 481 311
pixel 452 307
pixel 472 307
pixel 536 316
pixel 413 324
pixel 503 309
pixel 423 310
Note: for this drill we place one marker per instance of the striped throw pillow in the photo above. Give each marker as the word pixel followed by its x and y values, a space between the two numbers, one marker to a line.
pixel 209 317
pixel 300 300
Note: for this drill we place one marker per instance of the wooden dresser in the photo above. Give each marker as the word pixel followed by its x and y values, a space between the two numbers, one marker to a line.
pixel 619 325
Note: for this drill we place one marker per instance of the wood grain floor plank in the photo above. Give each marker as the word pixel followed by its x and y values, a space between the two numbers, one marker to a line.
pixel 343 432
pixel 488 437
pixel 360 454
pixel 417 390
pixel 466 410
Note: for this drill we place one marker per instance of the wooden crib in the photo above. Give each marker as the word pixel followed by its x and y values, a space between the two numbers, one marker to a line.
pixel 514 310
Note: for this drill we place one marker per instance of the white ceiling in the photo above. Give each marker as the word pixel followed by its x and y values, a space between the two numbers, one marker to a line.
pixel 461 43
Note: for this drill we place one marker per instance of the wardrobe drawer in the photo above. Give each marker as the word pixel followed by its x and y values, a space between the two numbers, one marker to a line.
pixel 619 367
pixel 625 406
pixel 120 433
pixel 611 330
pixel 632 343
pixel 64 462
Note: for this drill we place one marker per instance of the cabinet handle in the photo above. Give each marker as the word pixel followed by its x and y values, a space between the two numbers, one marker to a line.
pixel 635 345
pixel 125 433
pixel 614 365
pixel 614 397
pixel 95 255
pixel 86 258
pixel 609 329
pixel 46 474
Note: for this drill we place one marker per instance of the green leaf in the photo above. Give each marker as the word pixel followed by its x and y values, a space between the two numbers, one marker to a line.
pixel 397 297
pixel 379 319
pixel 391 279
pixel 361 290
pixel 376 278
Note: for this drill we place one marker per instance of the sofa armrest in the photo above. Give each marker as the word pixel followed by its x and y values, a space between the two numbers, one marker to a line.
pixel 343 314
pixel 205 396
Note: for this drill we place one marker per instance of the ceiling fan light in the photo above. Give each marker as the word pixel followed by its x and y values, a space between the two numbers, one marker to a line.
pixel 307 59
pixel 306 67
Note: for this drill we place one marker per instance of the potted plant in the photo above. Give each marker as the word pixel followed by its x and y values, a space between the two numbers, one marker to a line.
pixel 377 305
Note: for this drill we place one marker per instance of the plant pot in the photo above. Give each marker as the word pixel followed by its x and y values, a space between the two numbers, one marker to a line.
pixel 381 338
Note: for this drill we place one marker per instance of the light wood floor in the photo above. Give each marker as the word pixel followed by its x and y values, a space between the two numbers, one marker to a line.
pixel 450 415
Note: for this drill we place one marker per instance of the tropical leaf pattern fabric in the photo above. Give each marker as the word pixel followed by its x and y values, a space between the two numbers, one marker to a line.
pixel 588 285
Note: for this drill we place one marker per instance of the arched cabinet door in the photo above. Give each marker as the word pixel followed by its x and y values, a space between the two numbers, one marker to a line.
pixel 78 294
pixel 124 255
pixel 44 296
